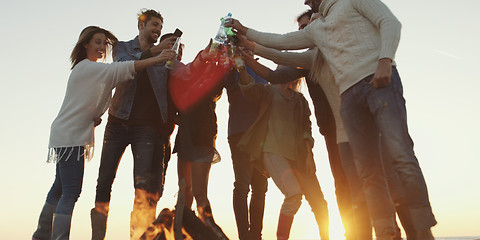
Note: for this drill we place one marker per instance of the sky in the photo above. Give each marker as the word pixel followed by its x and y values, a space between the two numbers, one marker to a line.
pixel 436 58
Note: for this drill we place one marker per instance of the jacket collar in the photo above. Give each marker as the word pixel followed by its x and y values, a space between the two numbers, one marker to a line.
pixel 136 44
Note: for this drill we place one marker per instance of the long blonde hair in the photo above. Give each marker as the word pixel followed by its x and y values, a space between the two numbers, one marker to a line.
pixel 79 52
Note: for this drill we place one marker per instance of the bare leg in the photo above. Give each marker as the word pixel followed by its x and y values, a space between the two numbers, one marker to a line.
pixel 200 172
pixel 184 172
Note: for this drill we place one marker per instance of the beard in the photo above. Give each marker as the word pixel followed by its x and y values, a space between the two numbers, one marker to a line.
pixel 151 39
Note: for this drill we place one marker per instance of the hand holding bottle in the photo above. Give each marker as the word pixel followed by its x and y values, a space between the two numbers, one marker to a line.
pixel 204 56
pixel 170 63
pixel 236 57
pixel 167 55
pixel 247 56
pixel 237 26
pixel 244 42
pixel 167 43
pixel 164 44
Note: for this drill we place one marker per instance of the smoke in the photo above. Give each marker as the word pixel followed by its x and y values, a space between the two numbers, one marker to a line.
pixel 143 213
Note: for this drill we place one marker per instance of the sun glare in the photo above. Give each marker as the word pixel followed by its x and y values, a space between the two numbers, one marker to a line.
pixel 305 227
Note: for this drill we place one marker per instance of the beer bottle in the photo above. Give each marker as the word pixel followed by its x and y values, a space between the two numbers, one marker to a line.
pixel 169 63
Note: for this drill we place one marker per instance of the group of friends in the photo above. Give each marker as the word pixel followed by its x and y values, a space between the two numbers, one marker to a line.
pixel 357 95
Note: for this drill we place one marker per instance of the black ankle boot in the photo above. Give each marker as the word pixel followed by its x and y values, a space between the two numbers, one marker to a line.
pixel 99 225
pixel 44 228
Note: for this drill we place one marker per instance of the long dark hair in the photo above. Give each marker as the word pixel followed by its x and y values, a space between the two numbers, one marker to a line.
pixel 79 52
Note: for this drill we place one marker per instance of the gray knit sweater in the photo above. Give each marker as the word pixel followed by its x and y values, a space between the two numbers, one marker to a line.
pixel 353 35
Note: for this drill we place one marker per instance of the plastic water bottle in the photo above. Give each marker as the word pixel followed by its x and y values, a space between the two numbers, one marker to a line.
pixel 228 30
pixel 170 63
pixel 228 18
pixel 219 39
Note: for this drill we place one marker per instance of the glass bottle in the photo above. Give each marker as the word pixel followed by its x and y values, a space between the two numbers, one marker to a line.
pixel 170 63
pixel 234 53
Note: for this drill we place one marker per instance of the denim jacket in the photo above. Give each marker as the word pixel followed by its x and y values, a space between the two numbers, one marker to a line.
pixel 122 101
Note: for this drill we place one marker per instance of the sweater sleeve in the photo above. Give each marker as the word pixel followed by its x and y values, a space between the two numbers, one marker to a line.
pixel 252 90
pixel 289 41
pixel 121 71
pixel 284 74
pixel 388 25
pixel 295 59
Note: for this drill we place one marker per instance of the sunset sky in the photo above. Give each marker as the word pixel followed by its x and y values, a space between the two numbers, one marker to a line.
pixel 437 60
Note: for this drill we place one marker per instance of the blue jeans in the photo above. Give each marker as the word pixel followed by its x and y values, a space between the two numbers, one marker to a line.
pixel 67 186
pixel 151 153
pixel 246 176
pixel 367 114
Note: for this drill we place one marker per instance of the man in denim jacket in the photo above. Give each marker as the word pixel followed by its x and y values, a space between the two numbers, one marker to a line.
pixel 141 114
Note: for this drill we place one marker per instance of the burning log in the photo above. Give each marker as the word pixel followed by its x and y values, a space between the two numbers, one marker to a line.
pixel 182 224
pixel 159 228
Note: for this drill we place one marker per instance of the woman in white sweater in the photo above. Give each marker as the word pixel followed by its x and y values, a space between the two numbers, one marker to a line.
pixel 71 136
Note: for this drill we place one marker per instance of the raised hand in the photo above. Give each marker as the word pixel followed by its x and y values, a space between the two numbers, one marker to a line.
pixel 163 45
pixel 245 43
pixel 247 55
pixel 167 54
pixel 167 43
pixel 237 27
pixel 205 55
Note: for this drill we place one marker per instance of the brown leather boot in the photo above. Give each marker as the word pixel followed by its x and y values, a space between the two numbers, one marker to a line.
pixel 99 224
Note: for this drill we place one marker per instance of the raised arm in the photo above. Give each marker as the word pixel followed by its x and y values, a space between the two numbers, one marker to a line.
pixel 255 66
pixel 250 89
pixel 121 51
pixel 289 41
pixel 163 45
pixel 295 59
pixel 198 66
pixel 167 54
pixel 282 74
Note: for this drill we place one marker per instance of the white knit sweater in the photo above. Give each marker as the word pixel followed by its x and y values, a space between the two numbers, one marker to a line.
pixel 87 97
pixel 352 35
